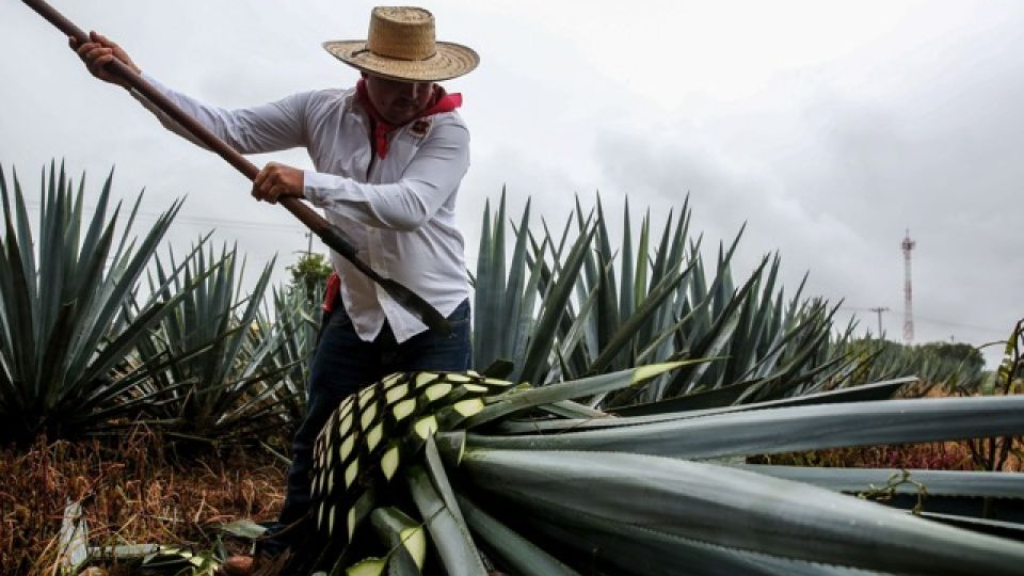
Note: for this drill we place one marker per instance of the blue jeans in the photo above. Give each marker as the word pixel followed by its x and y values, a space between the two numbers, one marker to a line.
pixel 342 365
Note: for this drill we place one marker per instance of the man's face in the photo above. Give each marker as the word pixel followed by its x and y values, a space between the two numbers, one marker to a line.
pixel 398 101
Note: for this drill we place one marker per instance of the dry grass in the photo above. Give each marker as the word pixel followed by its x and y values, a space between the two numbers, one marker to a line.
pixel 931 456
pixel 132 493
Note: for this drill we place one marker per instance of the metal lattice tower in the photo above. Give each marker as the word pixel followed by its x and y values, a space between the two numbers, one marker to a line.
pixel 908 292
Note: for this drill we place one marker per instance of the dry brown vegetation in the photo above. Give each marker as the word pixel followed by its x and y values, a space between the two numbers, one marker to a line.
pixel 931 456
pixel 134 492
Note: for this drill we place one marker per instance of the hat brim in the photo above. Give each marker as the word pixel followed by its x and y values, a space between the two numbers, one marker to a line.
pixel 450 61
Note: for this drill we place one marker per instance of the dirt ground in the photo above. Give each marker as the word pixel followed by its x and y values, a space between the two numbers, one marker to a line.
pixel 131 494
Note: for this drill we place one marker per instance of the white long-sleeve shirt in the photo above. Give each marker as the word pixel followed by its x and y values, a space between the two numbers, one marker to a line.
pixel 399 211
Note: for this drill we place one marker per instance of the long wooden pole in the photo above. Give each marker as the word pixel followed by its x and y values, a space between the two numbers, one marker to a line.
pixel 331 235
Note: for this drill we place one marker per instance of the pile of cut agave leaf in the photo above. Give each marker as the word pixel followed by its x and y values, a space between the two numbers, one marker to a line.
pixel 461 474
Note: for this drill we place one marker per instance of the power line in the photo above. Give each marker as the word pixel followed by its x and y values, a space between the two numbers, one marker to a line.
pixel 933 320
pixel 208 221
pixel 145 216
pixel 960 325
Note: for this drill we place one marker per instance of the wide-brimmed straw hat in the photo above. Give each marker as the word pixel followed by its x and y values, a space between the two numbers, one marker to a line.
pixel 401 45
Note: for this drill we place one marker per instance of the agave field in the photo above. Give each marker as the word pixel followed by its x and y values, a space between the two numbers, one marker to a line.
pixel 631 410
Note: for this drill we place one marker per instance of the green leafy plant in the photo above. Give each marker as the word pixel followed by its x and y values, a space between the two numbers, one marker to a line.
pixel 310 273
pixel 558 309
pixel 992 454
pixel 220 387
pixel 65 336
pixel 295 321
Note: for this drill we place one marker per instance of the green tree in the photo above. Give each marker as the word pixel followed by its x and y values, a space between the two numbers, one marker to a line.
pixel 309 274
pixel 969 355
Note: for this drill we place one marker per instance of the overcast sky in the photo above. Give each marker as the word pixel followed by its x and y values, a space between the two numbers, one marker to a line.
pixel 829 127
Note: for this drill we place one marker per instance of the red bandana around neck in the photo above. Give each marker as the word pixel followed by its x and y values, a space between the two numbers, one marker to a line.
pixel 441 102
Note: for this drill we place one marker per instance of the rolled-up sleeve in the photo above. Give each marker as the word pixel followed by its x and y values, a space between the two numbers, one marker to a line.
pixel 426 184
pixel 275 126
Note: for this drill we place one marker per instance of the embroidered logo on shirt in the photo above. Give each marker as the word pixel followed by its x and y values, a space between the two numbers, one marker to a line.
pixel 419 128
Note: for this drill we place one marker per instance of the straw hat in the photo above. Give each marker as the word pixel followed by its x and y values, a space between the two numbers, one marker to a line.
pixel 401 46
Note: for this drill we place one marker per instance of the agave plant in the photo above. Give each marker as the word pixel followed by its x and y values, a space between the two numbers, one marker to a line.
pixel 221 387
pixel 557 309
pixel 65 337
pixel 295 319
pixel 433 473
pixel 993 454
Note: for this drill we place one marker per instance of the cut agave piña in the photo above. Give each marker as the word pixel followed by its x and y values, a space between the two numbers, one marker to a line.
pixel 379 435
pixel 373 433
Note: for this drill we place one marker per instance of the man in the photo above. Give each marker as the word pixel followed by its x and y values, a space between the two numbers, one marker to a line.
pixel 389 156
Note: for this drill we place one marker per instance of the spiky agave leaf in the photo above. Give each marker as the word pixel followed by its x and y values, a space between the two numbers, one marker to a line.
pixel 789 429
pixel 517 552
pixel 955 496
pixel 699 507
pixel 588 499
pixel 229 388
pixel 564 311
pixel 66 335
pixel 296 319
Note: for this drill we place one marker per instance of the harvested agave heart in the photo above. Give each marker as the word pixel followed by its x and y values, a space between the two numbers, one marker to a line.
pixel 372 434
